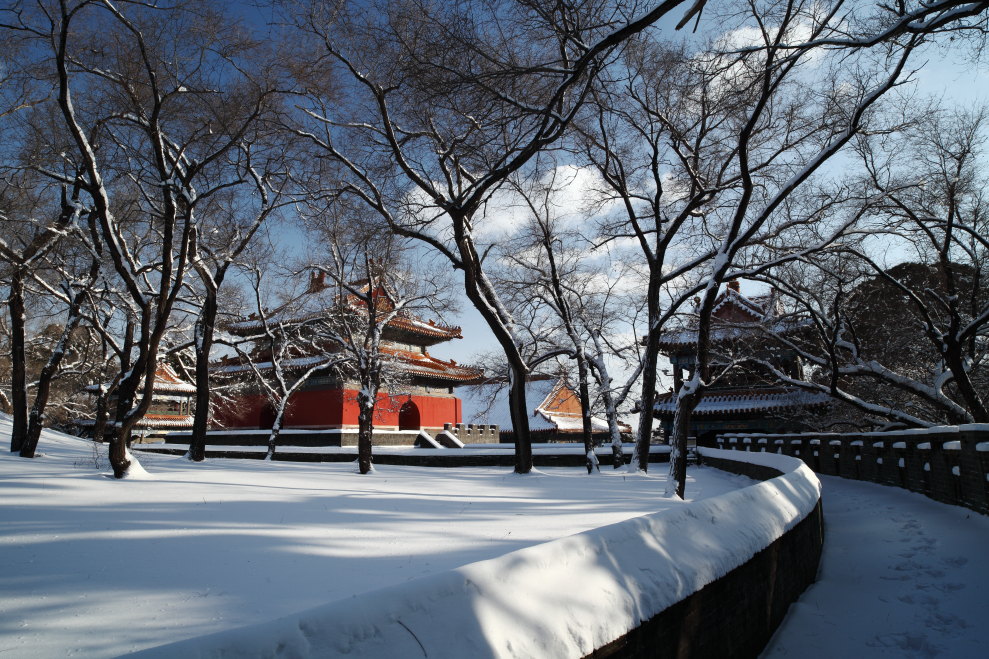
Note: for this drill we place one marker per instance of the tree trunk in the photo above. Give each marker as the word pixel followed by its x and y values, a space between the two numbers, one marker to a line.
pixel 482 295
pixel 585 405
pixel 102 416
pixel 648 400
pixel 611 411
pixel 204 345
pixel 365 430
pixel 276 429
pixel 973 401
pixel 650 362
pixel 36 421
pixel 18 363
pixel 686 402
pixel 520 418
pixel 126 391
pixel 123 425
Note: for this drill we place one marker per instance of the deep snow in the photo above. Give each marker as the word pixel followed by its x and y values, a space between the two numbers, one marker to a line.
pixel 97 567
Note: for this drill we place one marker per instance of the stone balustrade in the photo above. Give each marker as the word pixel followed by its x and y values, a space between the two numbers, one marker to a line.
pixel 947 463
pixel 474 433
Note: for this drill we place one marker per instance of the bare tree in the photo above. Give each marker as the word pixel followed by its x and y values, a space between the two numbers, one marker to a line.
pixel 233 222
pixel 904 342
pixel 338 326
pixel 452 101
pixel 547 278
pixel 704 146
pixel 157 126
pixel 35 215
pixel 771 171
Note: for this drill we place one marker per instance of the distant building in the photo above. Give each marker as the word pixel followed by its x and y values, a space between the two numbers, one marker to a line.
pixel 424 400
pixel 173 406
pixel 555 415
pixel 745 400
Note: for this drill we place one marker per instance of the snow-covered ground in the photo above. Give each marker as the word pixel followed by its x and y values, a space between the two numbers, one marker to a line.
pixel 902 576
pixel 97 567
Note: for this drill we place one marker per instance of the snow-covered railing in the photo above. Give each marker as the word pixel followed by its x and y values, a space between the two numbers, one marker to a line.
pixel 713 577
pixel 946 463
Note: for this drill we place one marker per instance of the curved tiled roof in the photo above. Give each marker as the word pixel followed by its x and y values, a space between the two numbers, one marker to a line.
pixel 319 300
pixel 425 328
pixel 149 421
pixel 734 316
pixel 167 381
pixel 417 363
pixel 743 401
pixel 413 363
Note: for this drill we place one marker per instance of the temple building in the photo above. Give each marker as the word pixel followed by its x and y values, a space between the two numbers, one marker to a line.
pixel 746 399
pixel 555 405
pixel 173 406
pixel 420 394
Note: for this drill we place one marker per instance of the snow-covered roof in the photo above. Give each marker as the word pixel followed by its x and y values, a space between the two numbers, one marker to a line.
pixel 740 401
pixel 488 403
pixel 319 300
pixel 548 398
pixel 166 381
pixel 735 316
pixel 562 408
pixel 408 361
pixel 150 421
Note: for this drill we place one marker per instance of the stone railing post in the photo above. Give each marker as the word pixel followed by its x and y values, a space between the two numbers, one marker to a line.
pixel 889 471
pixel 847 464
pixel 869 464
pixel 941 488
pixel 971 478
pixel 913 465
pixel 945 464
pixel 826 463
pixel 812 456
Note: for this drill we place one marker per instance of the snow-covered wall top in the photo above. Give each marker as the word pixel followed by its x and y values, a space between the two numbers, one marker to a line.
pixel 563 598
pixel 933 430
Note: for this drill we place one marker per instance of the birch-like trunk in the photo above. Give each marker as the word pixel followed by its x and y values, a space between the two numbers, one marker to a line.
pixel 276 429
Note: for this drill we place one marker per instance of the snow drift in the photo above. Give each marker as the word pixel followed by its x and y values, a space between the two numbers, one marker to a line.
pixel 563 598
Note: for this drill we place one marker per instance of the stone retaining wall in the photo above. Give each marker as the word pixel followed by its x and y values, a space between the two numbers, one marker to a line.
pixel 711 578
pixel 736 615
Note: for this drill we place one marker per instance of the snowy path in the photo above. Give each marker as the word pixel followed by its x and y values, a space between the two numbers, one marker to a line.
pixel 902 576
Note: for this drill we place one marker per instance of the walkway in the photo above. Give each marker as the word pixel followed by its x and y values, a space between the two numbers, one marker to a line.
pixel 901 576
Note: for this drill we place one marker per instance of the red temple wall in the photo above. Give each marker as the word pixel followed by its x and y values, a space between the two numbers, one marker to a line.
pixel 335 408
